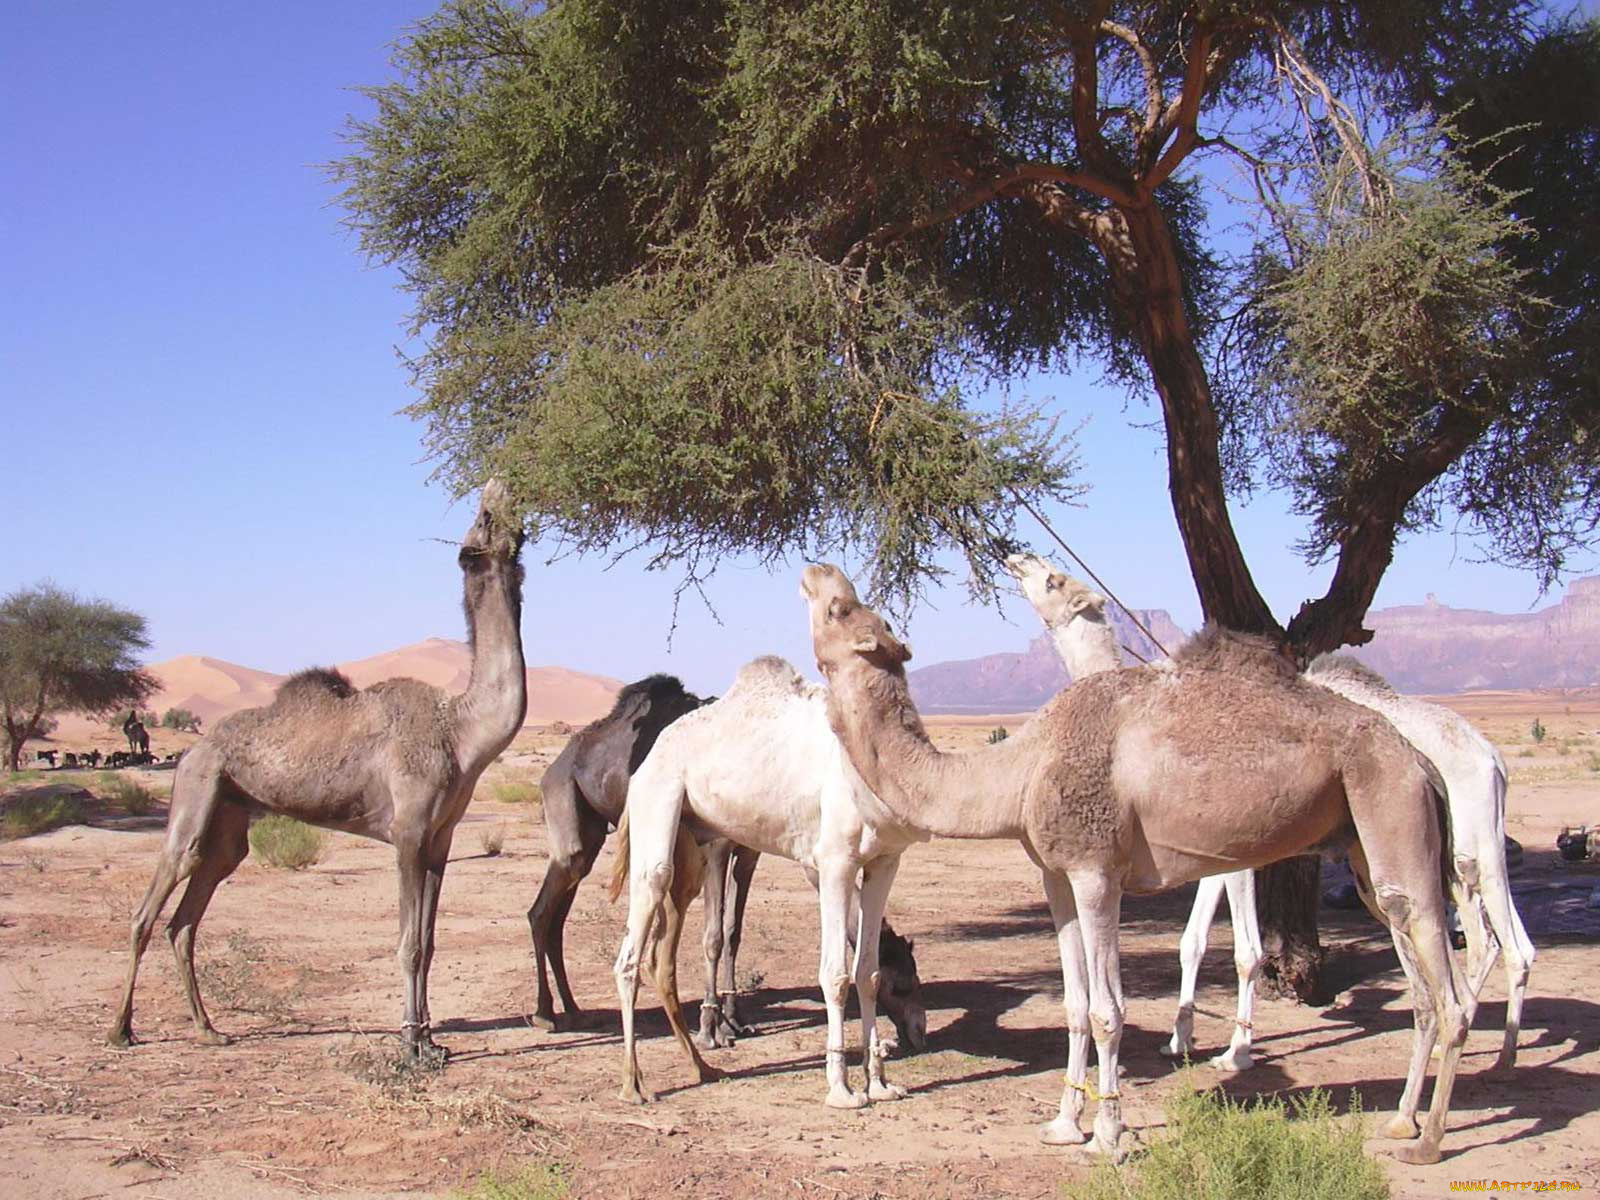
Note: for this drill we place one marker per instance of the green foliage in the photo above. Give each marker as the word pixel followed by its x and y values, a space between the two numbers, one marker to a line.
pixel 1219 1149
pixel 540 1181
pixel 33 812
pixel 127 794
pixel 282 841
pixel 61 654
pixel 146 717
pixel 517 791
pixel 1537 730
pixel 181 719
pixel 998 735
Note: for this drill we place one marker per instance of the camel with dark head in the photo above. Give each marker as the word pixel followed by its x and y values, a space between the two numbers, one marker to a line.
pixel 1142 780
pixel 397 761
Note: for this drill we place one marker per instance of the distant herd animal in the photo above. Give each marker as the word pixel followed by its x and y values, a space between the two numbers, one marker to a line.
pixel 1132 780
pixel 92 760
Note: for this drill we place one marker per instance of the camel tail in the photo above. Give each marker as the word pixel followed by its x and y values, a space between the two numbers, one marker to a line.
pixel 1448 879
pixel 619 869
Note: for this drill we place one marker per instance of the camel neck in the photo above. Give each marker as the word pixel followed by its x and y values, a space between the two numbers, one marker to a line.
pixel 946 795
pixel 1086 646
pixel 491 710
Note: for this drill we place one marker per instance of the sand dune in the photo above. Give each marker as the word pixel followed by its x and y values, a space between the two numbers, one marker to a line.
pixel 212 688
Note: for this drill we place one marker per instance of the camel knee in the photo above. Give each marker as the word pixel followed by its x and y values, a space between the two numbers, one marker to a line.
pixel 1395 905
pixel 835 987
pixel 1105 1023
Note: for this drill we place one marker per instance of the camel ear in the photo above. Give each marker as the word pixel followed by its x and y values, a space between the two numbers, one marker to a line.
pixel 866 643
pixel 1085 600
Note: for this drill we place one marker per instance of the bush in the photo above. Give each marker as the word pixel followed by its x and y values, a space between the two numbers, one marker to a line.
pixel 1219 1149
pixel 31 814
pixel 180 719
pixel 282 841
pixel 127 794
pixel 544 1181
pixel 493 840
pixel 518 791
pixel 998 735
pixel 1537 730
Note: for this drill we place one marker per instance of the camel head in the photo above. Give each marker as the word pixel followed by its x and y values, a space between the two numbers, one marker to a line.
pixel 900 989
pixel 1057 596
pixel 496 532
pixel 844 629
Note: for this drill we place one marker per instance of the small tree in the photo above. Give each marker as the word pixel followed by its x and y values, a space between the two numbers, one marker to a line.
pixel 1537 730
pixel 60 654
pixel 180 719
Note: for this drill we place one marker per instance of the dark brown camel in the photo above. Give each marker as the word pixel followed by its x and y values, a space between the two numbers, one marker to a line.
pixel 585 791
pixel 397 762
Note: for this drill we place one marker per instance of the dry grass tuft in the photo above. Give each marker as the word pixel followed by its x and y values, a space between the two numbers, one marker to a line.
pixel 33 812
pixel 493 839
pixel 127 794
pixel 517 791
pixel 284 842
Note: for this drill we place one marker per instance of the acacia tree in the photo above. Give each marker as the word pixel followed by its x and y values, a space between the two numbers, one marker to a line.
pixel 60 654
pixel 726 276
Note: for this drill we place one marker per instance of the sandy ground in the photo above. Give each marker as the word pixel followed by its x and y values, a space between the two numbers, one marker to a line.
pixel 300 966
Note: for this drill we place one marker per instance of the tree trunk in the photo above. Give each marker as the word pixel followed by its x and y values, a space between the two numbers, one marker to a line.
pixel 1148 280
pixel 1287 892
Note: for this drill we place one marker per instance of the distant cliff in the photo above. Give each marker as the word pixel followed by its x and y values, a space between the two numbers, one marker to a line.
pixel 1421 648
pixel 1434 648
pixel 1022 682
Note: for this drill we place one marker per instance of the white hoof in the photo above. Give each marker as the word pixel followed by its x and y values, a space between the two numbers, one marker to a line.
pixel 1176 1049
pixel 846 1099
pixel 879 1090
pixel 1062 1132
pixel 1233 1060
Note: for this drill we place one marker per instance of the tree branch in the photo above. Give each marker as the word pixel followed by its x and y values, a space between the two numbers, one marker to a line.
pixel 1183 114
pixel 1086 93
pixel 1154 98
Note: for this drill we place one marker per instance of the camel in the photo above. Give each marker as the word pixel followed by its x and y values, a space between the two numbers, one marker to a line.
pixel 1475 780
pixel 1141 780
pixel 397 762
pixel 1075 616
pixel 138 737
pixel 585 790
pixel 761 767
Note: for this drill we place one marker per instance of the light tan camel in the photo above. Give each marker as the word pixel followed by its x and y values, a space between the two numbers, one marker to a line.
pixel 1475 785
pixel 396 762
pixel 1141 780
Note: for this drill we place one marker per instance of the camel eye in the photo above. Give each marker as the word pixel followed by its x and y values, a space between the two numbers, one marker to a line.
pixel 1054 583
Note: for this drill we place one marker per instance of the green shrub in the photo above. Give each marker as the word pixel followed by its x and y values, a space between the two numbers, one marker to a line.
pixel 282 841
pixel 517 791
pixel 127 794
pixel 1537 730
pixel 998 735
pixel 30 814
pixel 1219 1149
pixel 542 1181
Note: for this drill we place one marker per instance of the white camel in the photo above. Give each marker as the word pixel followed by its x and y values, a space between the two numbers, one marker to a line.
pixel 1474 775
pixel 762 767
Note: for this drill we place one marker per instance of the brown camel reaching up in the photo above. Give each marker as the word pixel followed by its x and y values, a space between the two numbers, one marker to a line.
pixel 396 762
pixel 1141 780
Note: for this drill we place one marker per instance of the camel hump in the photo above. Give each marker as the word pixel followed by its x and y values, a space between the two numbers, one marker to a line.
pixel 1336 667
pixel 654 689
pixel 1217 649
pixel 317 682
pixel 767 675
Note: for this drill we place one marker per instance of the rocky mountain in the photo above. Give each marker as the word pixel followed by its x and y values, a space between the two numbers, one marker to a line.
pixel 1433 648
pixel 1424 649
pixel 1003 683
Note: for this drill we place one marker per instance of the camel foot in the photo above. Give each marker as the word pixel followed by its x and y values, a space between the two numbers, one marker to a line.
pixel 427 1055
pixel 1103 1148
pixel 1063 1131
pixel 710 1074
pixel 213 1037
pixel 1177 1049
pixel 1420 1155
pixel 633 1094
pixel 544 1021
pixel 880 1090
pixel 121 1036
pixel 1505 1065
pixel 843 1097
pixel 1233 1060
pixel 1400 1128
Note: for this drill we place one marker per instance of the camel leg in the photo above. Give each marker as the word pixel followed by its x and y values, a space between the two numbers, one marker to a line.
pixel 1405 885
pixel 1066 1129
pixel 877 878
pixel 718 854
pixel 1247 958
pixel 1191 949
pixel 226 844
pixel 1099 901
pixel 196 793
pixel 419 898
pixel 433 884
pixel 837 880
pixel 687 879
pixel 575 833
pixel 744 869
pixel 1518 952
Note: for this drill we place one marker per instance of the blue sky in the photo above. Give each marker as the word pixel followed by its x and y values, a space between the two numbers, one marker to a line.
pixel 201 389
